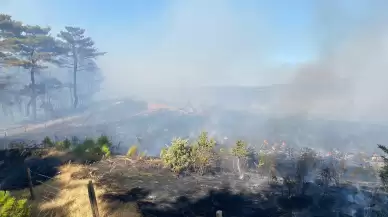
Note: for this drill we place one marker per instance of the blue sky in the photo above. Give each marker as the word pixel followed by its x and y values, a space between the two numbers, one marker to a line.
pixel 217 42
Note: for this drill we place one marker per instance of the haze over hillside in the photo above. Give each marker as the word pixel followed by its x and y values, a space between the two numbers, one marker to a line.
pixel 323 60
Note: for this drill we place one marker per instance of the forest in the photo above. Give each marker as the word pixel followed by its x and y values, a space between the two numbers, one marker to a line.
pixel 37 68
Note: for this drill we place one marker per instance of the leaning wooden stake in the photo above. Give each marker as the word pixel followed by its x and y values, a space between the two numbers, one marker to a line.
pixel 30 184
pixel 219 213
pixel 92 199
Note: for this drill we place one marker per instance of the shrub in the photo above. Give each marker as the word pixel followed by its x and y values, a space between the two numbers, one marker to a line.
pixel 63 145
pixel 47 142
pixel 203 154
pixel 267 164
pixel 11 207
pixel 105 150
pixel 132 151
pixel 90 150
pixel 177 156
pixel 240 150
pixel 104 140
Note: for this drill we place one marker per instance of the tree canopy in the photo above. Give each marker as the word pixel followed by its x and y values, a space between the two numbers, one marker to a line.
pixel 30 50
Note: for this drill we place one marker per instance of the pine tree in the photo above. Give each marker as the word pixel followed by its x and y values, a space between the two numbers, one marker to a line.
pixel 29 47
pixel 384 170
pixel 8 29
pixel 80 54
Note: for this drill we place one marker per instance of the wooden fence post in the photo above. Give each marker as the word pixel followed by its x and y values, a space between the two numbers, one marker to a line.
pixel 219 213
pixel 92 199
pixel 30 184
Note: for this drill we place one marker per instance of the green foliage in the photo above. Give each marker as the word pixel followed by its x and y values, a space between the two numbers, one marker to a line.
pixel 132 151
pixel 200 157
pixel 11 207
pixel 240 150
pixel 79 53
pixel 104 140
pixel 63 145
pixel 90 150
pixel 384 171
pixel 47 142
pixel 105 150
pixel 203 154
pixel 204 141
pixel 177 156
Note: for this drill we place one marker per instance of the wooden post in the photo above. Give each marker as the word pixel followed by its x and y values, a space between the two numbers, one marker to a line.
pixel 30 184
pixel 92 199
pixel 219 213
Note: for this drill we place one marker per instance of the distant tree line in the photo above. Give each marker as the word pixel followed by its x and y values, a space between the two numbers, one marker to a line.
pixel 29 51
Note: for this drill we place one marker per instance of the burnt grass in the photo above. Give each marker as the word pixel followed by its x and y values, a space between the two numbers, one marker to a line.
pixel 13 170
pixel 158 192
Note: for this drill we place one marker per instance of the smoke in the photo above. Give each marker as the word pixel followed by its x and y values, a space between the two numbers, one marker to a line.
pixel 347 81
pixel 322 58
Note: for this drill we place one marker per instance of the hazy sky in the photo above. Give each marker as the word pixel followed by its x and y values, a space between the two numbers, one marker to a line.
pixel 186 42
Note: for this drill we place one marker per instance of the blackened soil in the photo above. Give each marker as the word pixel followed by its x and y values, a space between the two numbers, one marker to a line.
pixel 13 170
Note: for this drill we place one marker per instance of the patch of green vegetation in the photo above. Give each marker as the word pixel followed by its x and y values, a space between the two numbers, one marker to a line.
pixel 240 150
pixel 12 207
pixel 47 142
pixel 178 155
pixel 198 157
pixel 91 150
pixel 203 154
pixel 63 145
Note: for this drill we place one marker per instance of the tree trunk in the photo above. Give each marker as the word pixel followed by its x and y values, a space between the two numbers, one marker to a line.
pixel 71 96
pixel 75 68
pixel 33 89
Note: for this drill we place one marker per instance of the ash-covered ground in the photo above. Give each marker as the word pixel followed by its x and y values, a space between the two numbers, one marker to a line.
pixel 158 192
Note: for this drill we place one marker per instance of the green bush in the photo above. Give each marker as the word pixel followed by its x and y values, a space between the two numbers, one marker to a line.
pixel 90 150
pixel 203 154
pixel 177 156
pixel 47 142
pixel 240 150
pixel 104 140
pixel 200 157
pixel 63 145
pixel 11 207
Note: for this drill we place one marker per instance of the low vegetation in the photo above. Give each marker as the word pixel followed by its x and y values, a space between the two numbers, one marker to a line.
pixel 12 207
pixel 201 156
pixel 132 151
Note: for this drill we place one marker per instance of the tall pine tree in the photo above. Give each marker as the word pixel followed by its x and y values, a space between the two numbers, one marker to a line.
pixel 81 53
pixel 34 49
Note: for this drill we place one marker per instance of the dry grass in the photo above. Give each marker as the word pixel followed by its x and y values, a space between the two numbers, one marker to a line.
pixel 66 196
